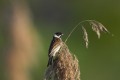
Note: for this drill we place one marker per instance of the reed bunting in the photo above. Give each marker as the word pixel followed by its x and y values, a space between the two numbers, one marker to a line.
pixel 55 46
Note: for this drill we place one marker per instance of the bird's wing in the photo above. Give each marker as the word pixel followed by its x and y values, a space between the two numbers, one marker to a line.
pixel 54 46
pixel 55 50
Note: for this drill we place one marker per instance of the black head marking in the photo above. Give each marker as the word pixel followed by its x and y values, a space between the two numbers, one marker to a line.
pixel 58 34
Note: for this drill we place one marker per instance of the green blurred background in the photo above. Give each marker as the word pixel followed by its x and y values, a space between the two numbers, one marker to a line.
pixel 101 61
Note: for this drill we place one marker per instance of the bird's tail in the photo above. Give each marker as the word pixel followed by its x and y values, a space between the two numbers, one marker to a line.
pixel 50 61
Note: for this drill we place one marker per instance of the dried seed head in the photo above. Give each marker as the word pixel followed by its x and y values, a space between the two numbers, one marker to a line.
pixel 65 66
pixel 85 36
pixel 97 27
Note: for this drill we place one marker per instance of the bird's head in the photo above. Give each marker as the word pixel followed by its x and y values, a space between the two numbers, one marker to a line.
pixel 58 35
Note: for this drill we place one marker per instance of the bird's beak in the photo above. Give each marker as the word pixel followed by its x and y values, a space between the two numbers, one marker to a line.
pixel 62 34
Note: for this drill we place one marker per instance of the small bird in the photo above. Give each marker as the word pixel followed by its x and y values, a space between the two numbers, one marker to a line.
pixel 55 46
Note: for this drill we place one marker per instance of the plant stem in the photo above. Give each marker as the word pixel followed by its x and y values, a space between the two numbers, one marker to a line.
pixel 75 28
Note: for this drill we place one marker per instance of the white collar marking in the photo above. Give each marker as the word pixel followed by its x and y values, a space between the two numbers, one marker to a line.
pixel 57 36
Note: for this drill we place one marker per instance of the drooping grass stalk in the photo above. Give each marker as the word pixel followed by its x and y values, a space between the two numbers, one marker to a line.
pixel 75 29
pixel 97 27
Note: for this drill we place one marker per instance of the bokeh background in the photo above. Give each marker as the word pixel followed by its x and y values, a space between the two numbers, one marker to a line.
pixel 27 27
